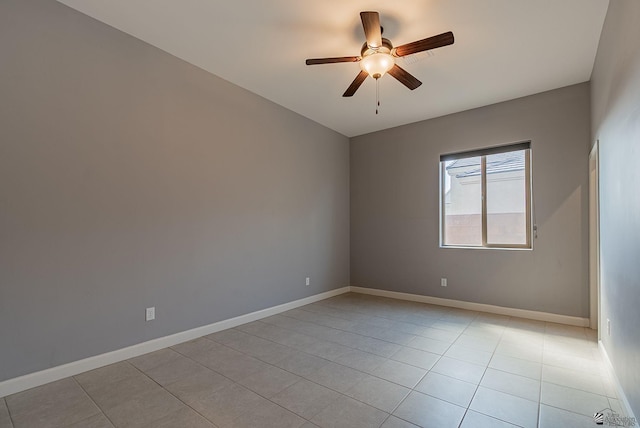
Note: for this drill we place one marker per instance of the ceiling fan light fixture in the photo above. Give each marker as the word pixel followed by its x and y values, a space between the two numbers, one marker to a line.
pixel 378 56
pixel 377 64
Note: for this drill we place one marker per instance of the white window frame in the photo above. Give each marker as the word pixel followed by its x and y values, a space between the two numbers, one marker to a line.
pixel 483 153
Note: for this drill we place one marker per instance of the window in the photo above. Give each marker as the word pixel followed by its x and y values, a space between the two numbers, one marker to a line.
pixel 485 197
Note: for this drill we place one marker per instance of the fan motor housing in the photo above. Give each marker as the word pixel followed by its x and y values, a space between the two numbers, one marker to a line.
pixel 385 48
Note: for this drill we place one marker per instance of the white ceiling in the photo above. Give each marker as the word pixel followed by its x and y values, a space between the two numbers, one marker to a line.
pixel 503 49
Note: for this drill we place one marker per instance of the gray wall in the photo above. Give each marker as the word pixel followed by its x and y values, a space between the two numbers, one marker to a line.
pixel 395 207
pixel 129 178
pixel 616 123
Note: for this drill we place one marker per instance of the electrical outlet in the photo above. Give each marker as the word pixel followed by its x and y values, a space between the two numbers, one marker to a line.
pixel 307 281
pixel 443 282
pixel 150 313
pixel 608 327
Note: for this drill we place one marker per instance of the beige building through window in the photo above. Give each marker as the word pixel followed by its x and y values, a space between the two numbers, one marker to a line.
pixel 485 198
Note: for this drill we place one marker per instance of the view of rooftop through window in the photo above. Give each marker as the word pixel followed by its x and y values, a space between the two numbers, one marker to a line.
pixel 500 221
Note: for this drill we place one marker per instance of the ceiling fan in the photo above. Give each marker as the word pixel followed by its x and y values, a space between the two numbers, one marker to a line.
pixel 378 55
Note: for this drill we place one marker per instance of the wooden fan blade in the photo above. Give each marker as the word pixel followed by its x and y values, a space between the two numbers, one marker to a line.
pixel 355 84
pixel 404 77
pixel 314 61
pixel 429 43
pixel 372 31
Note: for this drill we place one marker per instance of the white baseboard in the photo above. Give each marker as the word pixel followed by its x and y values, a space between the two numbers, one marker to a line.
pixel 619 391
pixel 480 307
pixel 31 380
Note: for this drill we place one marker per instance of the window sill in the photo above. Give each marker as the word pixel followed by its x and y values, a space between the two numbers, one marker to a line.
pixel 462 247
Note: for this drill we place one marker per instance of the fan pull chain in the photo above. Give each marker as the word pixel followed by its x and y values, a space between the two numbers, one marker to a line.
pixel 377 95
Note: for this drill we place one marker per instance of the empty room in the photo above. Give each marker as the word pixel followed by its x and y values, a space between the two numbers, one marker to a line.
pixel 319 214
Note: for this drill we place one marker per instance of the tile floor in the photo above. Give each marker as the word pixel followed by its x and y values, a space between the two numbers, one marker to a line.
pixel 349 361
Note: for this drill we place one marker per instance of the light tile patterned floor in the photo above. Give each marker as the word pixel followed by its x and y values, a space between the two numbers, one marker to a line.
pixel 349 361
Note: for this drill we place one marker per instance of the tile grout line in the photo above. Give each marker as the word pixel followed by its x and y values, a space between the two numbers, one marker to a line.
pixel 171 393
pixel 480 381
pixel 93 401
pixel 542 364
pixel 208 368
pixel 374 316
pixel 6 405
pixel 348 331
pixel 364 335
pixel 330 361
pixel 317 356
pixel 430 371
pixel 391 319
pixel 585 338
pixel 247 388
